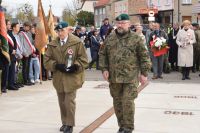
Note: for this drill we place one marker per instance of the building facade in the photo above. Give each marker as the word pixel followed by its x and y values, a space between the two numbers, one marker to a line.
pixel 165 11
pixel 183 10
pixel 100 12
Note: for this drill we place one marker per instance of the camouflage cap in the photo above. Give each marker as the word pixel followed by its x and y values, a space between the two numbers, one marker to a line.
pixel 122 17
pixel 61 25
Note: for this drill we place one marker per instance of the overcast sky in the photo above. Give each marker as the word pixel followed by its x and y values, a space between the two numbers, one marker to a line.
pixel 57 5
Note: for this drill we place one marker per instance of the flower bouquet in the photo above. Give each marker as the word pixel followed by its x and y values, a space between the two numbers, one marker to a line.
pixel 159 46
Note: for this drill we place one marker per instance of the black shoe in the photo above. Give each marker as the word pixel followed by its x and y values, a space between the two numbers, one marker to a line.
pixel 183 78
pixel 62 128
pixel 161 77
pixel 128 130
pixel 194 71
pixel 12 88
pixel 187 78
pixel 28 83
pixel 68 129
pixel 121 130
pixel 50 78
pixel 21 85
pixel 155 77
pixel 44 79
pixel 4 90
pixel 17 86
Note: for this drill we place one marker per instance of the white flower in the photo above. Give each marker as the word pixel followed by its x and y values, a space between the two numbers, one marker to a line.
pixel 158 43
pixel 163 39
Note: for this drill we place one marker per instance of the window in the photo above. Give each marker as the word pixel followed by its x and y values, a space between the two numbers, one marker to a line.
pixel 96 24
pixel 100 11
pixel 167 2
pixel 150 3
pixel 96 11
pixel 158 2
pixel 104 11
pixel 186 1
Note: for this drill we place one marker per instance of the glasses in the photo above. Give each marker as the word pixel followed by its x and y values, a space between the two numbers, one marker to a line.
pixel 122 22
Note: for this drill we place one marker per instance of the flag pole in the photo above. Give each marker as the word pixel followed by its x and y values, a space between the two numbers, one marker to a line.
pixel 40 67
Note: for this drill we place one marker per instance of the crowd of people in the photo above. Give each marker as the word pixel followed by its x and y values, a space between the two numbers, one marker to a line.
pixel 22 54
pixel 122 52
pixel 183 41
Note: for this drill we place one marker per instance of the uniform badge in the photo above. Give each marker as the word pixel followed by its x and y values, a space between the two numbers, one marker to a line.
pixel 70 51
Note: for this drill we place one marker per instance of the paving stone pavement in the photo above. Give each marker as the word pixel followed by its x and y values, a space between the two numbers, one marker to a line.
pixel 164 106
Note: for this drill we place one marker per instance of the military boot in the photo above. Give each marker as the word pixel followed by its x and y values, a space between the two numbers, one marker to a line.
pixel 121 130
pixel 128 130
pixel 68 129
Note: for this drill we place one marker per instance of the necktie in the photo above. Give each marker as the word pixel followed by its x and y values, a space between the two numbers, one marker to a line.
pixel 62 43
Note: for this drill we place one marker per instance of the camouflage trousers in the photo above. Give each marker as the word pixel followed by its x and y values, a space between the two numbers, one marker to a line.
pixel 124 95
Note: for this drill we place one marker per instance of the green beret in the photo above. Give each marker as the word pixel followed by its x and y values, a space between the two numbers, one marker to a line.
pixel 195 24
pixel 122 17
pixel 61 25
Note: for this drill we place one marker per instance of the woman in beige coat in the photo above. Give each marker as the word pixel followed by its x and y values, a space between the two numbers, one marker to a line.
pixel 185 40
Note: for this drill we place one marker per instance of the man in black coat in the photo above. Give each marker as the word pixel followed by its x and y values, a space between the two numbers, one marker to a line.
pixel 12 51
pixel 173 51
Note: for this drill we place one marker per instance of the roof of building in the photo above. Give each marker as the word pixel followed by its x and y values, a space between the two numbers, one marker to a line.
pixel 102 3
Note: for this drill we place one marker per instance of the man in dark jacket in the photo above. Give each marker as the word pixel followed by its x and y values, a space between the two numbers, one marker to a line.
pixel 104 28
pixel 12 50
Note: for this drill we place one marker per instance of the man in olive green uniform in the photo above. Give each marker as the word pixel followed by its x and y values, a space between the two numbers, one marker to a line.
pixel 196 47
pixel 67 59
pixel 124 62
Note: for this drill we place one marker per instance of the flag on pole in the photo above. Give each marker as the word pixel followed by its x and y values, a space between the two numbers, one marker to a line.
pixel 42 30
pixel 3 35
pixel 51 24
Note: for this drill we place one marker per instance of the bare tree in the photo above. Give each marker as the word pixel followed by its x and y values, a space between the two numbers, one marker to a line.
pixel 78 4
pixel 25 13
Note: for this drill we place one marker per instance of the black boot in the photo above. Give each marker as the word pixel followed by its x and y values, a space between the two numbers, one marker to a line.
pixel 187 73
pixel 121 130
pixel 68 129
pixel 183 73
pixel 3 90
pixel 128 130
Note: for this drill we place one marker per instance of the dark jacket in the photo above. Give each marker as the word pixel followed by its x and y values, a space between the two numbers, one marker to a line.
pixel 11 48
pixel 103 30
pixel 57 54
pixel 95 44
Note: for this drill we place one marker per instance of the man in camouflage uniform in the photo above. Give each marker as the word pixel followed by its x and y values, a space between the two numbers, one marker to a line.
pixel 196 47
pixel 122 60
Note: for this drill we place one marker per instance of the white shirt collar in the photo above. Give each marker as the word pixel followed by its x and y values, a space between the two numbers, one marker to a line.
pixel 65 40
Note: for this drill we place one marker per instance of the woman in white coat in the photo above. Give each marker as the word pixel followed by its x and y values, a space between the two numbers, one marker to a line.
pixel 185 40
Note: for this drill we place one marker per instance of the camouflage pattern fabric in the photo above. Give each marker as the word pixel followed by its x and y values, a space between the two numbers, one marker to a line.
pixel 124 57
pixel 123 101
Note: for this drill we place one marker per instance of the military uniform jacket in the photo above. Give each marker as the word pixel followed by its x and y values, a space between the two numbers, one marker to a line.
pixel 124 57
pixel 57 54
